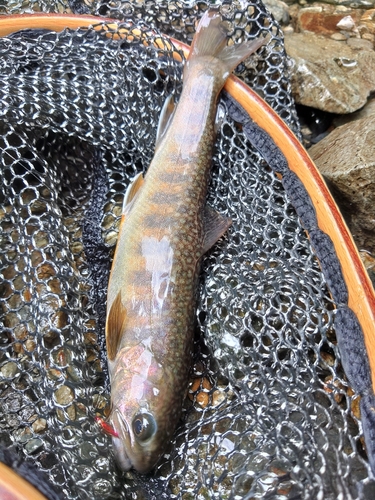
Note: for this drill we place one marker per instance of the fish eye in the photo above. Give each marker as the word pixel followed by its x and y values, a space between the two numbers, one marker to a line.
pixel 144 426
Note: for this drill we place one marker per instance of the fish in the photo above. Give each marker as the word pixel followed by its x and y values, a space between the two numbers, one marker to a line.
pixel 165 229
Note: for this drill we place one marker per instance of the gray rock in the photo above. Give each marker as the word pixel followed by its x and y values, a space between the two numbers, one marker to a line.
pixel 359 44
pixel 278 9
pixel 346 159
pixel 366 4
pixel 328 74
pixel 367 111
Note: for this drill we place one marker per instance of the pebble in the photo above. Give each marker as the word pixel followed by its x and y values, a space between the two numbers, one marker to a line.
pixel 39 425
pixel 34 445
pixel 360 44
pixel 64 395
pixel 346 23
pixel 339 37
pixel 9 370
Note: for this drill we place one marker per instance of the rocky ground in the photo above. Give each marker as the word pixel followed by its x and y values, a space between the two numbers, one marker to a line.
pixel 332 56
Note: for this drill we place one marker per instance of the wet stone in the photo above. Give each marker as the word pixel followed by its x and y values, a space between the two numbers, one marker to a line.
pixel 9 370
pixel 38 207
pixel 345 157
pixel 111 238
pixel 45 271
pixel 74 373
pixel 102 487
pixel 34 445
pixel 30 345
pixel 330 75
pixel 101 465
pixel 41 239
pixel 64 395
pixel 39 425
pixel 87 451
pixel 71 412
pixel 54 374
pixel 36 258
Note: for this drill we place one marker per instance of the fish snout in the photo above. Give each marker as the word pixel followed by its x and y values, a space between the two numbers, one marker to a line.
pixel 121 457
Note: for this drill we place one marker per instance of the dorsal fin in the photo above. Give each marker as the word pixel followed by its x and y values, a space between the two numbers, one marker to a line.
pixel 114 326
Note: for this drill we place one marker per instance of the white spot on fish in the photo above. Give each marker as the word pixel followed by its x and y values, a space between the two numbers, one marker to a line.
pixel 141 376
pixel 159 259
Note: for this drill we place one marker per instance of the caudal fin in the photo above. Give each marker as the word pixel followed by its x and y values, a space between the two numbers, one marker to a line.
pixel 211 40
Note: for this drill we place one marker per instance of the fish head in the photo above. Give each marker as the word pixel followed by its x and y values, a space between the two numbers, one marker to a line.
pixel 138 443
pixel 146 406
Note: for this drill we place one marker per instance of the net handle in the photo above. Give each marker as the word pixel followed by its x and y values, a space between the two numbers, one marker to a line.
pixel 15 487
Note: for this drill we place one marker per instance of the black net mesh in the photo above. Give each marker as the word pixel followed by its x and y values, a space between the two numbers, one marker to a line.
pixel 269 412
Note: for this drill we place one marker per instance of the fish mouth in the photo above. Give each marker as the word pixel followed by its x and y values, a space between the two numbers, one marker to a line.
pixel 121 442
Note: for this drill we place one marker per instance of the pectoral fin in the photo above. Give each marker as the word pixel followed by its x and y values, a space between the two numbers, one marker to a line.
pixel 115 326
pixel 215 225
pixel 132 191
pixel 165 119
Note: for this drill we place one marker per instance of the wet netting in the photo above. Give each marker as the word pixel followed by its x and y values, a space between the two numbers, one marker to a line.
pixel 269 412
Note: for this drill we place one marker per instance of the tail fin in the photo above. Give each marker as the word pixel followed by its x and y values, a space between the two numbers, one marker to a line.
pixel 211 40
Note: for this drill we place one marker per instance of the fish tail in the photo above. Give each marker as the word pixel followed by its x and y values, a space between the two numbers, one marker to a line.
pixel 210 40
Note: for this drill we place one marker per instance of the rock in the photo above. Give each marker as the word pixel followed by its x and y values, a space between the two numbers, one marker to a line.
pixel 278 9
pixel 365 4
pixel 369 263
pixel 367 110
pixel 367 22
pixel 9 370
pixel 39 425
pixel 340 37
pixel 325 19
pixel 64 395
pixel 346 23
pixel 346 159
pixel 329 75
pixel 360 44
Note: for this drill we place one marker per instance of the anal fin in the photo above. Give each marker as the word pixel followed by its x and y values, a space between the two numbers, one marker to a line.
pixel 215 225
pixel 114 326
